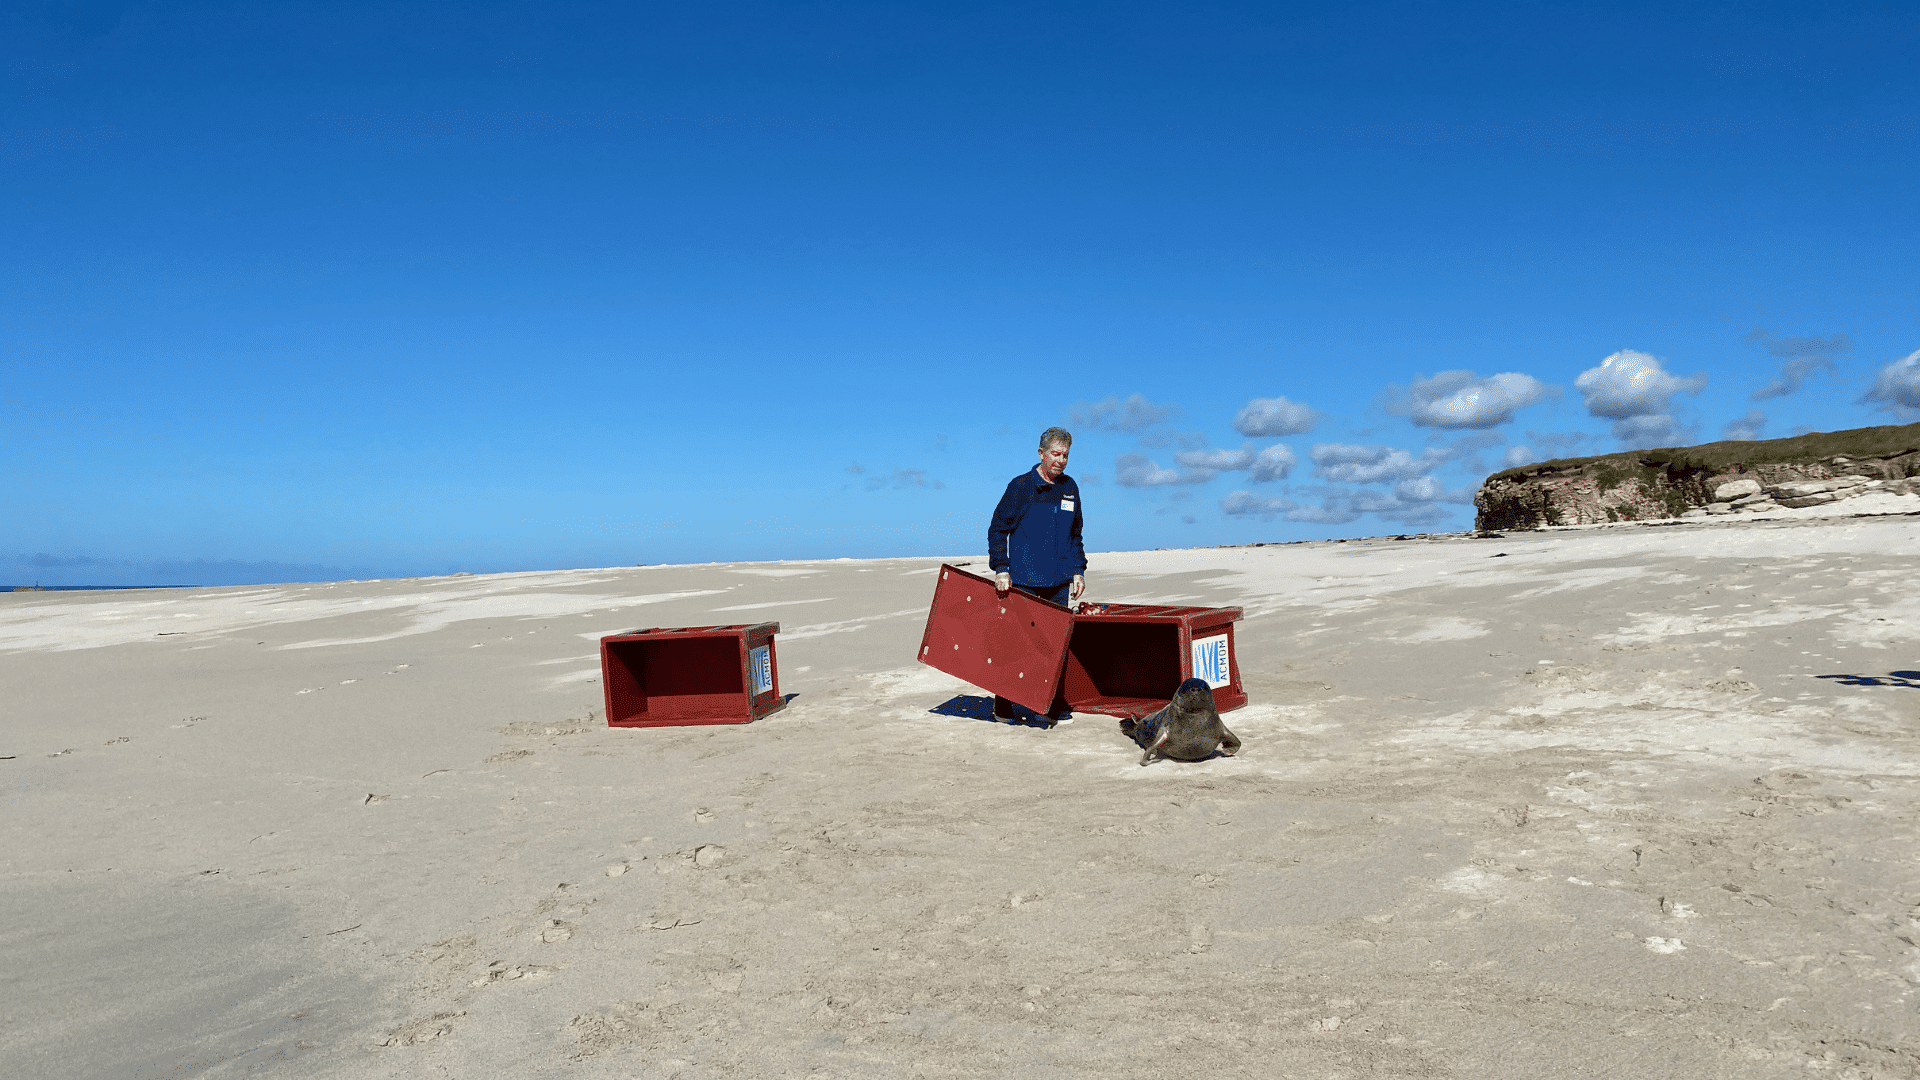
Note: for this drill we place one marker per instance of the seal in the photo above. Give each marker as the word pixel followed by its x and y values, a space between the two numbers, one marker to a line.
pixel 1188 729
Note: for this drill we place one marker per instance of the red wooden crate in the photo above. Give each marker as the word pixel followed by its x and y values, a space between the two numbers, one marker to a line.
pixel 691 675
pixel 1127 659
pixel 1111 658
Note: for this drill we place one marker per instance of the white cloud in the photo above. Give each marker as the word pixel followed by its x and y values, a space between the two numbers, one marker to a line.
pixel 1659 429
pixel 1113 414
pixel 1462 399
pixel 1371 464
pixel 1274 416
pixel 1324 514
pixel 1419 489
pixel 1897 388
pixel 1803 356
pixel 1273 463
pixel 1747 428
pixel 1138 470
pixel 1339 505
pixel 1792 374
pixel 1562 443
pixel 1632 383
pixel 1466 449
pixel 1542 446
pixel 1414 501
pixel 1216 460
pixel 1632 389
pixel 1186 440
pixel 1247 504
pixel 1517 456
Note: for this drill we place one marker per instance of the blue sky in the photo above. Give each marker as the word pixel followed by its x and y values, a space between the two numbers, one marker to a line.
pixel 307 290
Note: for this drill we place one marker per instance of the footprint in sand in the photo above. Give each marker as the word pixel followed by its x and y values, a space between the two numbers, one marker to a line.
pixel 425 1029
pixel 499 973
pixel 666 922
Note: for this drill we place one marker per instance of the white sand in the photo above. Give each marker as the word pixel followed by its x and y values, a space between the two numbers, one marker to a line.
pixel 1622 801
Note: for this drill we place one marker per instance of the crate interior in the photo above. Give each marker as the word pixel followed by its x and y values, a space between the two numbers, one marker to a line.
pixel 676 681
pixel 1120 667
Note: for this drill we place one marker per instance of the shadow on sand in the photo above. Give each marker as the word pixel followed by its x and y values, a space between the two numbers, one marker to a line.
pixel 1908 679
pixel 980 707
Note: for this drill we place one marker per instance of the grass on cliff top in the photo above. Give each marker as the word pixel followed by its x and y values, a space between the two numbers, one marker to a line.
pixel 1729 456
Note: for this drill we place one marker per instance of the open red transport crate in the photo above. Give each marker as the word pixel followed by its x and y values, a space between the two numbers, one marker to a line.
pixel 1117 659
pixel 691 675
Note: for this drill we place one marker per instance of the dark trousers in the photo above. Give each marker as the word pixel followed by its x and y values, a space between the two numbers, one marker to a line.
pixel 1057 594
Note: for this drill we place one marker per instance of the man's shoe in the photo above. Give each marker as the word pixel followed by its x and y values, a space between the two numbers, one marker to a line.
pixel 1064 716
pixel 1003 713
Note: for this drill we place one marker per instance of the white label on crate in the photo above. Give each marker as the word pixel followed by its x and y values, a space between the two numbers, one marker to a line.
pixel 760 662
pixel 1210 660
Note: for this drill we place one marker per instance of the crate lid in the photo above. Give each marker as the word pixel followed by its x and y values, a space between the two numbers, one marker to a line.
pixel 1013 645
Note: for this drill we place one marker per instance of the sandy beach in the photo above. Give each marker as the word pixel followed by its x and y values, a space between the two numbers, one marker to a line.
pixel 1634 801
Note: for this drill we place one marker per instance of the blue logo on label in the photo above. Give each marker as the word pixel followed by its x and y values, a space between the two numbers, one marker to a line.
pixel 1210 661
pixel 760 662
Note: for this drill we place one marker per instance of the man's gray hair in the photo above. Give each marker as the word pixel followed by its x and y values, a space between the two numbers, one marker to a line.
pixel 1056 435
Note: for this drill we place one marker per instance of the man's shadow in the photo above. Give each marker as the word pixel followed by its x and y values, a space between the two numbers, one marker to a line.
pixel 980 707
pixel 1908 679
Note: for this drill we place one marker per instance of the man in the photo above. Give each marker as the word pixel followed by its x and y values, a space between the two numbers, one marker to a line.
pixel 1033 542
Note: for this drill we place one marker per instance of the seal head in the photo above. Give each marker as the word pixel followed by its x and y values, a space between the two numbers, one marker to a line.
pixel 1188 729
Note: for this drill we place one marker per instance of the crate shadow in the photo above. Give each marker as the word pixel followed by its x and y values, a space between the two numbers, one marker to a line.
pixel 980 707
pixel 1908 679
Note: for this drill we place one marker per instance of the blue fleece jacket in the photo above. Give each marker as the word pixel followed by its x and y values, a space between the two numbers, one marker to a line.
pixel 1035 533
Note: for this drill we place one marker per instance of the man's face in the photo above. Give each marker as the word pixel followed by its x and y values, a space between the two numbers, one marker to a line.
pixel 1053 461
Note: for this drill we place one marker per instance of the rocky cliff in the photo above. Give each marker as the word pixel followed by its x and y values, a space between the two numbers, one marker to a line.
pixel 1693 481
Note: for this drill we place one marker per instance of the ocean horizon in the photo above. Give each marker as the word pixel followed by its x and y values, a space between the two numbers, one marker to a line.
pixel 89 588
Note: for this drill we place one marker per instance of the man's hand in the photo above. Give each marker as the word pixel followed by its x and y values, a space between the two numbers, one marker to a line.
pixel 1079 586
pixel 1002 582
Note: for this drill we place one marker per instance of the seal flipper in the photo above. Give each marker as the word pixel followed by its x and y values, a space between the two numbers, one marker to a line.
pixel 1229 742
pixel 1165 733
